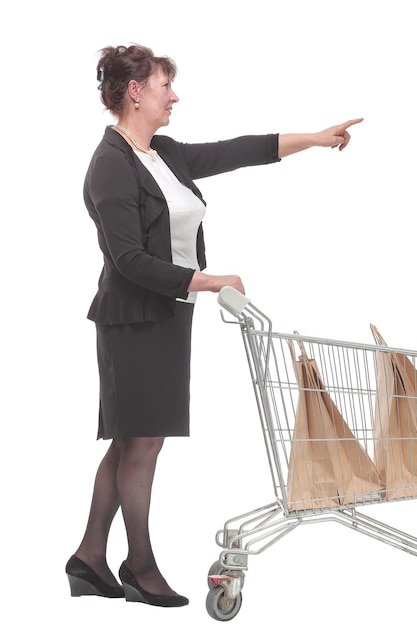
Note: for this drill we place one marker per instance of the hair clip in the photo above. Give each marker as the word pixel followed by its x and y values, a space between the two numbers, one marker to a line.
pixel 100 77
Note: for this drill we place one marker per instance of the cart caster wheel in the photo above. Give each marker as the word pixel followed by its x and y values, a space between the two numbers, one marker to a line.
pixel 216 569
pixel 215 608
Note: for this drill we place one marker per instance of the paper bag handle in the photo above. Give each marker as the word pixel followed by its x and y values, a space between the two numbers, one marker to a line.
pixel 377 336
pixel 300 345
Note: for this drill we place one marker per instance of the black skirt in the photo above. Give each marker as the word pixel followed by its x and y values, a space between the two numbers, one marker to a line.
pixel 144 371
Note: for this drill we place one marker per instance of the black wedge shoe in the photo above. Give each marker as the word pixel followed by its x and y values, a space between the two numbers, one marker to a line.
pixel 135 593
pixel 85 582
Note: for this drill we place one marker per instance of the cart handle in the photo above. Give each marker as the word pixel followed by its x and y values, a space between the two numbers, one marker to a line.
pixel 232 300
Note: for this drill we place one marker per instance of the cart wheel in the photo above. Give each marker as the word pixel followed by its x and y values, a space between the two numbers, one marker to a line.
pixel 216 569
pixel 214 605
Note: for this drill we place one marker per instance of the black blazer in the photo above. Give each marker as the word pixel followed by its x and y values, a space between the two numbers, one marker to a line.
pixel 139 281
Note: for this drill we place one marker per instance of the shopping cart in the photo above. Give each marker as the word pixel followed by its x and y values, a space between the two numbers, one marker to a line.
pixel 325 408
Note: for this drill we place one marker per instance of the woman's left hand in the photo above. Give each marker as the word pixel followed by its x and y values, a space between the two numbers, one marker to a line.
pixel 336 136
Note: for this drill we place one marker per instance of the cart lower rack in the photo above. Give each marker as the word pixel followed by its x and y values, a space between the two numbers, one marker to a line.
pixel 339 421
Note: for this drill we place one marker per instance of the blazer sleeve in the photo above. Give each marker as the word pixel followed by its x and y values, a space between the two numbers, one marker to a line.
pixel 209 159
pixel 112 197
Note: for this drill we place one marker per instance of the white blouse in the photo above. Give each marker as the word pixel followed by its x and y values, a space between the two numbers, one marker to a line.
pixel 186 212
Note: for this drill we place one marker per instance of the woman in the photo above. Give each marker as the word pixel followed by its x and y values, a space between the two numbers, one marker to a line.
pixel 140 193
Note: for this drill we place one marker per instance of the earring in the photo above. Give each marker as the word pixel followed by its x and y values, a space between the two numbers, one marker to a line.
pixel 136 104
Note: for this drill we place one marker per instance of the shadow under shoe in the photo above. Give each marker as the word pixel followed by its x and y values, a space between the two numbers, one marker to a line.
pixel 135 593
pixel 85 582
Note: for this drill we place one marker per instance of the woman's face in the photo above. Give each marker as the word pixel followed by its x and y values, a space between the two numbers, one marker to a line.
pixel 156 99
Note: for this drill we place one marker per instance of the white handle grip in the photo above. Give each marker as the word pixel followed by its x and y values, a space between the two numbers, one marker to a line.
pixel 232 300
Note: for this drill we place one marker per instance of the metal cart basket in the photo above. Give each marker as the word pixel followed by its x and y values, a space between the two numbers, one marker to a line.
pixel 339 421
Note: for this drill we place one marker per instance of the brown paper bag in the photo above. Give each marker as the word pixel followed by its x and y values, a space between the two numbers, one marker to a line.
pixel 396 422
pixel 328 467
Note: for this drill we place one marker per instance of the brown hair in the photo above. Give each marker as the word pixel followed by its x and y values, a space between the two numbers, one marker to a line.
pixel 119 65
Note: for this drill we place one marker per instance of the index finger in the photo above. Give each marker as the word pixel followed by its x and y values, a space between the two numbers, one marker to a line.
pixel 352 122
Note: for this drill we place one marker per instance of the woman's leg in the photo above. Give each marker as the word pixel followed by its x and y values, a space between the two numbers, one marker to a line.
pixel 125 477
pixel 104 505
pixel 135 475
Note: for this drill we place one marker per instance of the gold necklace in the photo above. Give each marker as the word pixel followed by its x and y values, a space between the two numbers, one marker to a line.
pixel 137 145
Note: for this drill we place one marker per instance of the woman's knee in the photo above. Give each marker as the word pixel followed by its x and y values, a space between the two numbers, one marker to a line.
pixel 139 447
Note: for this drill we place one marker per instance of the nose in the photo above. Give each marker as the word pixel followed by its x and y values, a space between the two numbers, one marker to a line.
pixel 174 97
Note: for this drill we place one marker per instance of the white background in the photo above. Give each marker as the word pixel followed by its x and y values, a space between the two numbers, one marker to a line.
pixel 326 249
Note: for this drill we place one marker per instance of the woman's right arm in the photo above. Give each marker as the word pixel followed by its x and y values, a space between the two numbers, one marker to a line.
pixel 112 194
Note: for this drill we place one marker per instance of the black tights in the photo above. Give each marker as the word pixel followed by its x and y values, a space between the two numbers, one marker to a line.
pixel 124 478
